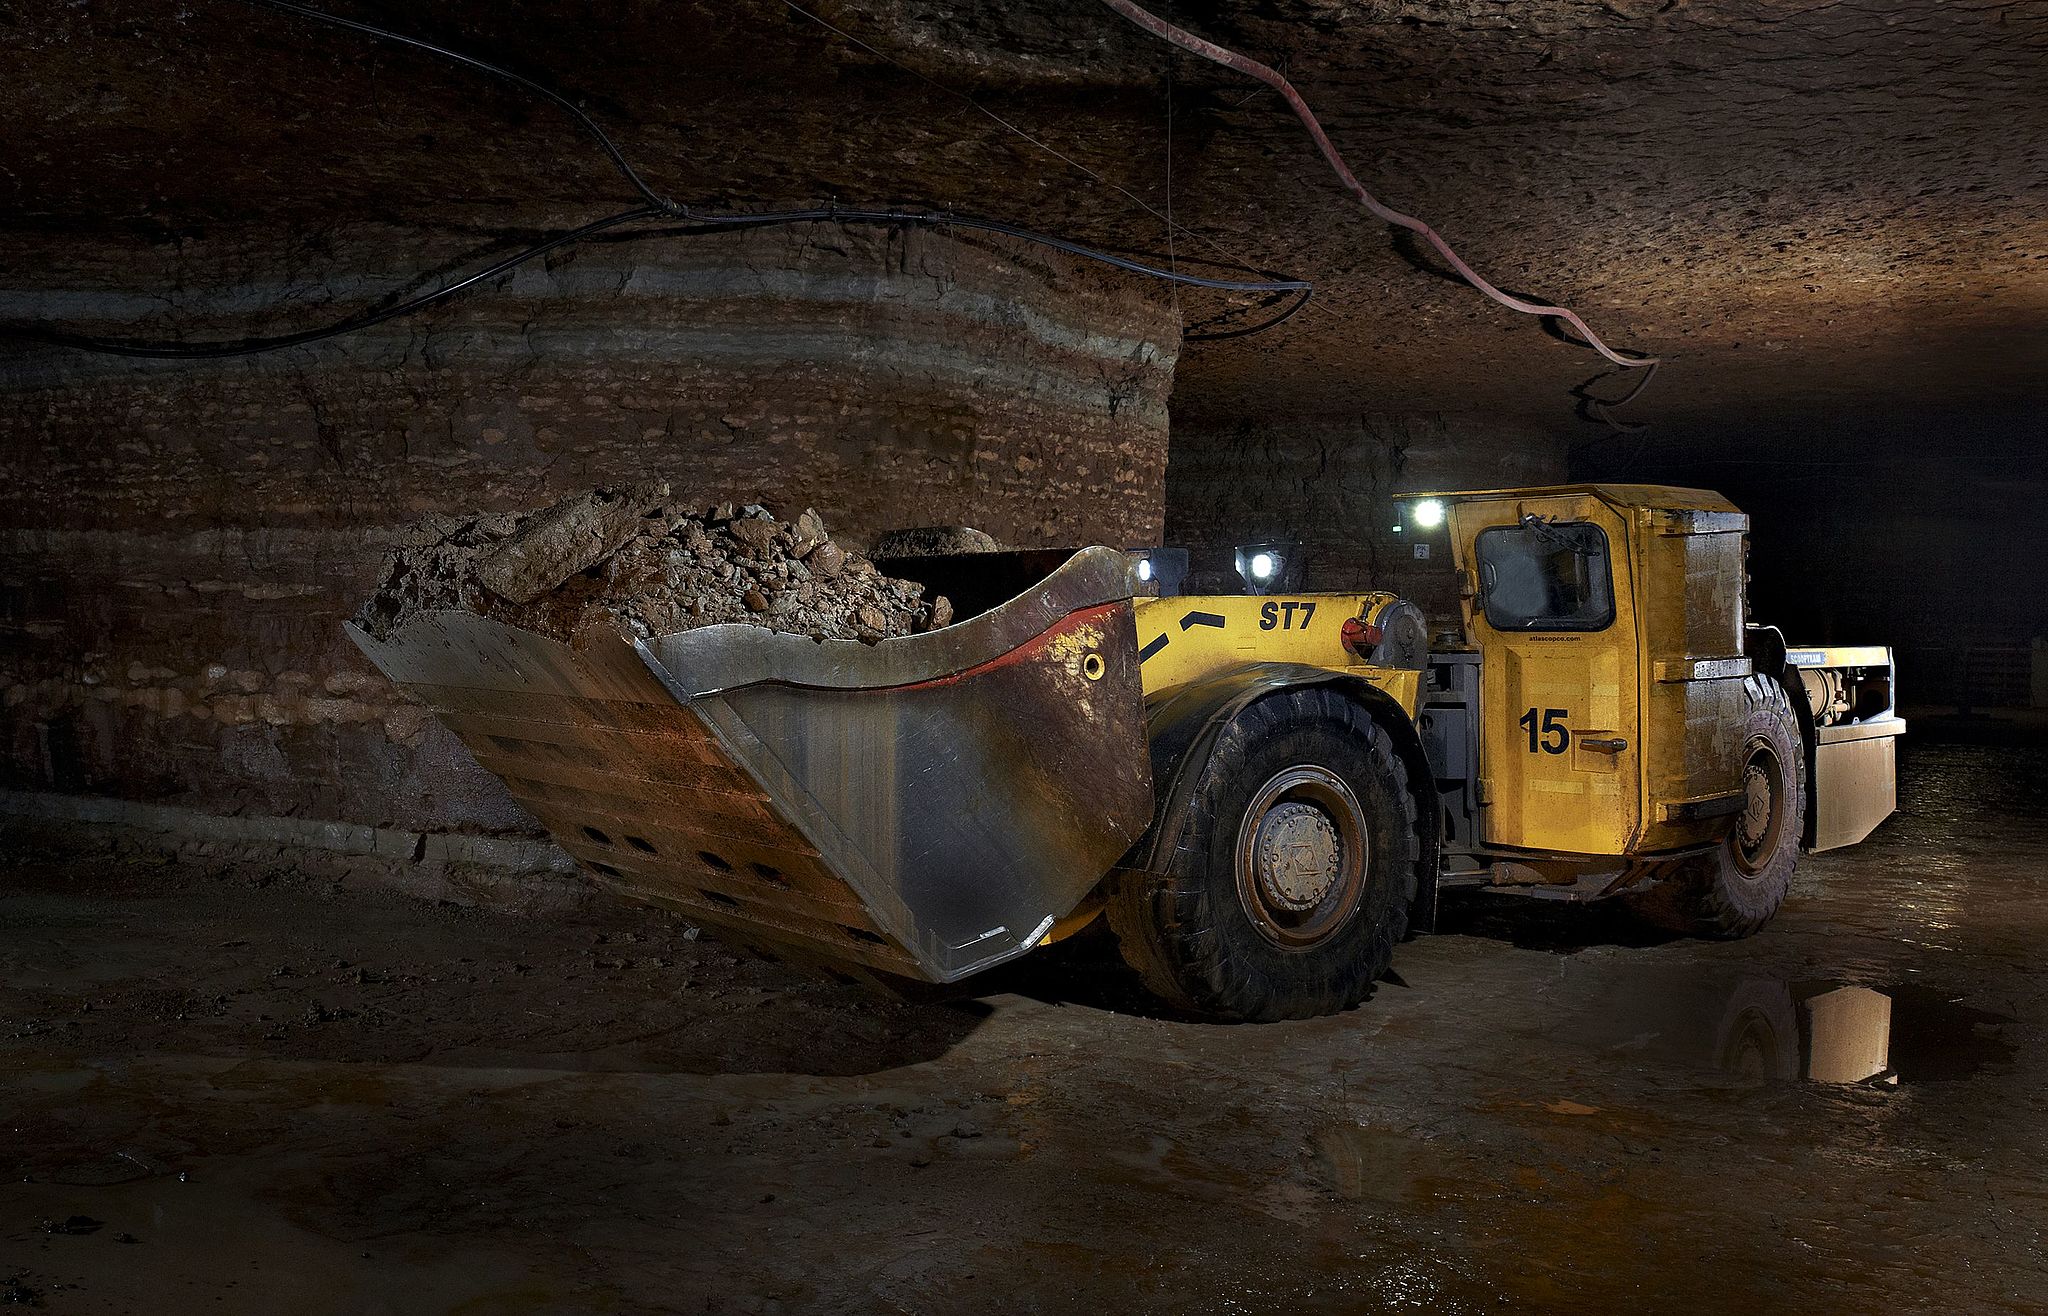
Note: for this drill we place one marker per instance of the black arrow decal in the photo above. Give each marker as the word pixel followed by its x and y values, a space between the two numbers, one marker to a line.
pixel 1201 619
pixel 1157 644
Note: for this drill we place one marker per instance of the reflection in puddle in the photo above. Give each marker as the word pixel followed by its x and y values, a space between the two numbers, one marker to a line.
pixel 1849 1035
pixel 1762 1030
pixel 1823 1032
pixel 1387 1166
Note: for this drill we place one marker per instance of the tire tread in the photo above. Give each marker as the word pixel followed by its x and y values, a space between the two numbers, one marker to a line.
pixel 1719 902
pixel 1165 920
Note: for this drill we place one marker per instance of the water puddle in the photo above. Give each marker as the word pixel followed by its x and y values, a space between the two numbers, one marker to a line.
pixel 1819 1031
pixel 1387 1166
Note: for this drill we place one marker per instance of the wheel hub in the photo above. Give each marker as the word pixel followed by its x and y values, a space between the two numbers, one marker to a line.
pixel 1297 856
pixel 1301 857
pixel 1756 805
pixel 1757 828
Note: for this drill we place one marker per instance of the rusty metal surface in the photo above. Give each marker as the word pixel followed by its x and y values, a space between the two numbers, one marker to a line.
pixel 716 658
pixel 926 806
pixel 967 812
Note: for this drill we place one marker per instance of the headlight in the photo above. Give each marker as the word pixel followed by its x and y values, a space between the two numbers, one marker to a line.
pixel 1429 513
pixel 1145 568
pixel 1265 567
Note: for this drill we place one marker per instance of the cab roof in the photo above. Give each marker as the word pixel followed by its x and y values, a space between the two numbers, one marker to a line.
pixel 1661 496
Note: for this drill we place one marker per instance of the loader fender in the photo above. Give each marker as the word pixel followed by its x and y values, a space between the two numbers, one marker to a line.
pixel 1184 726
pixel 1766 648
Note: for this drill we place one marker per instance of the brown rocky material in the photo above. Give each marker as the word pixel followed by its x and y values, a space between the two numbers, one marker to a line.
pixel 933 541
pixel 551 546
pixel 628 561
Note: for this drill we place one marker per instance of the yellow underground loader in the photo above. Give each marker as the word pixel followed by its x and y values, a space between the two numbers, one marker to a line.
pixel 1261 792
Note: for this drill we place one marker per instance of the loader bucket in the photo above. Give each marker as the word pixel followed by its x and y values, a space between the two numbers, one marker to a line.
pixel 925 807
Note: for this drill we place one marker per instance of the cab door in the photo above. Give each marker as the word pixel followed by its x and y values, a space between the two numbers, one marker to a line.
pixel 1550 601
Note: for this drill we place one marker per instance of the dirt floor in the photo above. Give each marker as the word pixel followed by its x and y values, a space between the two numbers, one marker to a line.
pixel 249 1087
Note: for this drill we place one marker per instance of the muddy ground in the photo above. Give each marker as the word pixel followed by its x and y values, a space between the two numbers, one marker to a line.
pixel 275 1086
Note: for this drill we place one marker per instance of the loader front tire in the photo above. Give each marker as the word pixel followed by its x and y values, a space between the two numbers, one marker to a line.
pixel 1736 889
pixel 1294 869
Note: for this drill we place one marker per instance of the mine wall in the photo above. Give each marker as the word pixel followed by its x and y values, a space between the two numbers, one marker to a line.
pixel 1336 487
pixel 174 597
pixel 174 600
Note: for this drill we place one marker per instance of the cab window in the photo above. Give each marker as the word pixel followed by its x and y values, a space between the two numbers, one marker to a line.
pixel 1546 576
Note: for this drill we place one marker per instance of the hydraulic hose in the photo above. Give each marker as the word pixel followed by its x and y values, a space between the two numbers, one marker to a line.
pixel 1209 50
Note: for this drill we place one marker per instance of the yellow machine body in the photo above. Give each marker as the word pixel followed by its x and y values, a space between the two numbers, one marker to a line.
pixel 1193 637
pixel 1620 735
pixel 1623 738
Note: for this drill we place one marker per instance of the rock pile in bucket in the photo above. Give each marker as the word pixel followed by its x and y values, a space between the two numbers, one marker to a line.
pixel 629 561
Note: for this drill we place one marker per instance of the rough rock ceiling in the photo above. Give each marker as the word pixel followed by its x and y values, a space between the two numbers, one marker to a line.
pixel 1810 209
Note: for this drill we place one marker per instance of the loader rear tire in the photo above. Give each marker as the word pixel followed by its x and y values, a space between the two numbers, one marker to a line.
pixel 1296 864
pixel 1735 890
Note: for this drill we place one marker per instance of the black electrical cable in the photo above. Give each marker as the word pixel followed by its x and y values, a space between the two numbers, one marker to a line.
pixel 172 350
pixel 1604 409
pixel 676 209
pixel 1218 335
pixel 618 157
pixel 946 219
pixel 658 206
pixel 698 223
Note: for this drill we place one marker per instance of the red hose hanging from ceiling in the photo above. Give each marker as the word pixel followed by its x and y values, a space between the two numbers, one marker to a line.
pixel 1209 50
